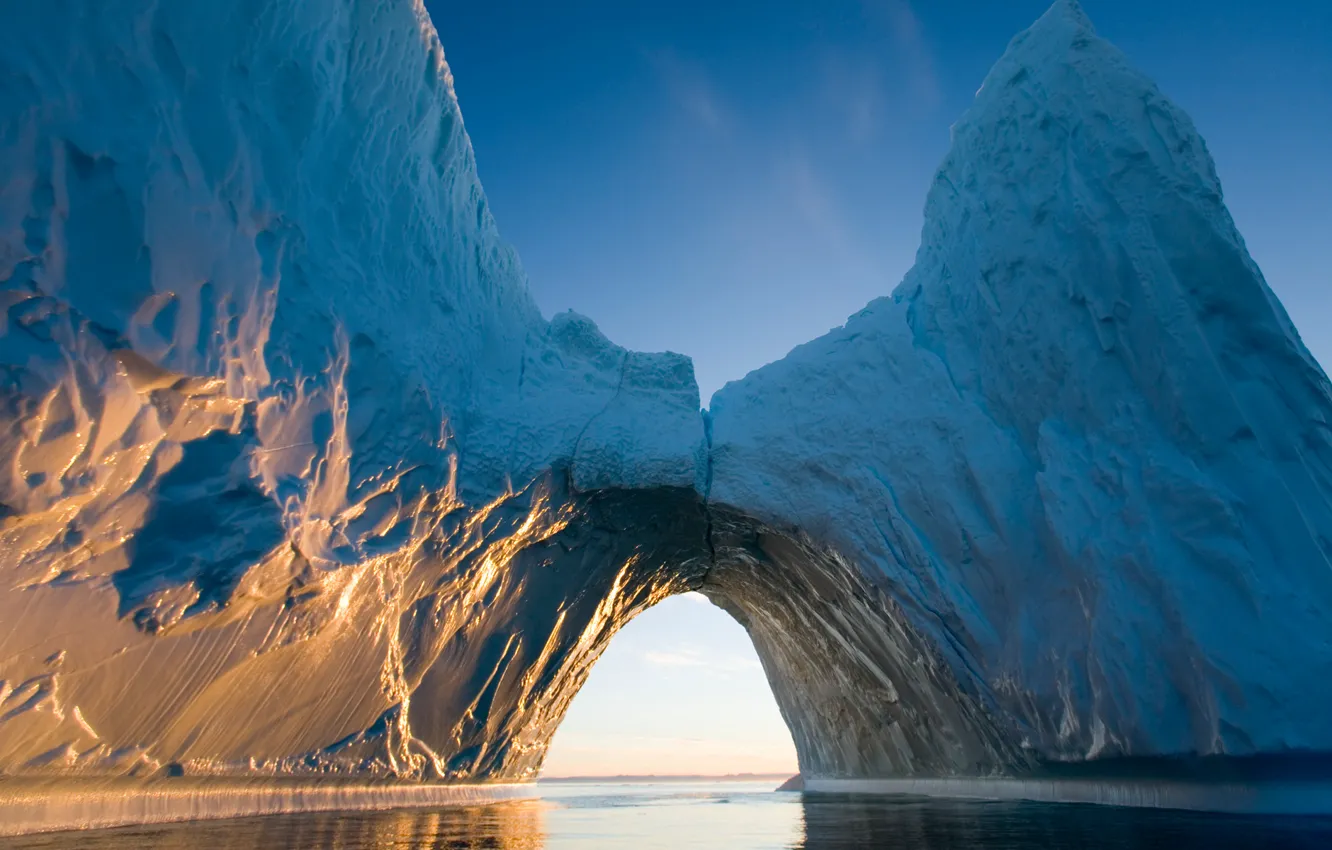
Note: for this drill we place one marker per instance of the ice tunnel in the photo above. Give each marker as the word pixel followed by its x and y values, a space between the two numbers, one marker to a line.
pixel 300 483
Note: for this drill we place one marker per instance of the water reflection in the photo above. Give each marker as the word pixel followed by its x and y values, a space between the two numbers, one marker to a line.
pixel 503 826
pixel 845 822
pixel 733 816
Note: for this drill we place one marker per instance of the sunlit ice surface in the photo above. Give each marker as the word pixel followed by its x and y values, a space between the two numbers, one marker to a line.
pixel 730 815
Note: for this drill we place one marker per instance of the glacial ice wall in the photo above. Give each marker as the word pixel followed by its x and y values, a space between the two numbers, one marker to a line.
pixel 300 482
pixel 1081 442
pixel 264 356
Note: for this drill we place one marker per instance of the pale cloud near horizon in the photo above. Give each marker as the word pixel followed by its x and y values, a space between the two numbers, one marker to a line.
pixel 699 658
pixel 690 87
pixel 666 755
pixel 610 754
pixel 661 742
pixel 680 690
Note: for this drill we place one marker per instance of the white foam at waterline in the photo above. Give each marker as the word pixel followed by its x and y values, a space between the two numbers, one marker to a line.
pixel 26 809
pixel 1267 798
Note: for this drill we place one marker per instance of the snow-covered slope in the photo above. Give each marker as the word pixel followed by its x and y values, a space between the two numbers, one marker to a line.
pixel 1081 443
pixel 300 482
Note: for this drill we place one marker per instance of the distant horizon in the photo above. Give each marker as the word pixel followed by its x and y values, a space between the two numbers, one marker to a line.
pixel 623 777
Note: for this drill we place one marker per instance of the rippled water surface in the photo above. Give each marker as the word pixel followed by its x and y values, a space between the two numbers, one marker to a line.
pixel 725 816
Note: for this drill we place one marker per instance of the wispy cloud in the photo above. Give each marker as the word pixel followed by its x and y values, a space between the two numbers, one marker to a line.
pixel 701 659
pixel 853 87
pixel 673 659
pixel 691 88
pixel 914 51
pixel 816 202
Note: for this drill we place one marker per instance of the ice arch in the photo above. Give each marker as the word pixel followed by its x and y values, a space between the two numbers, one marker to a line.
pixel 300 482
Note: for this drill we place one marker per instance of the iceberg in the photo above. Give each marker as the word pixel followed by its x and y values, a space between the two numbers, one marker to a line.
pixel 1081 446
pixel 302 485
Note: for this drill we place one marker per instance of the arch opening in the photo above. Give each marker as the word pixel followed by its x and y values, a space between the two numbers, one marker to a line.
pixel 679 691
pixel 862 693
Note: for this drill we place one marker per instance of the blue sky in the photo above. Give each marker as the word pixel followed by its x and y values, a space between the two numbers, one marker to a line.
pixel 731 178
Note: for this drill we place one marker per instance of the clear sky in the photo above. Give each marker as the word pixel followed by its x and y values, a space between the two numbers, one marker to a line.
pixel 730 178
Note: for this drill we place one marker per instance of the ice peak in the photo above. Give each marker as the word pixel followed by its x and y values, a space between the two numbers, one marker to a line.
pixel 1062 94
pixel 1064 15
pixel 1062 37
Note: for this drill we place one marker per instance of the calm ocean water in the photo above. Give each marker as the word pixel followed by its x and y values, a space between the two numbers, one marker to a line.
pixel 714 816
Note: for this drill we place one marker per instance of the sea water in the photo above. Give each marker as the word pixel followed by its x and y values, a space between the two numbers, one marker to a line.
pixel 720 815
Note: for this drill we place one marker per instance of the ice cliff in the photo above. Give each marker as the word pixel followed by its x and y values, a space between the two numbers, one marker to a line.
pixel 300 482
pixel 1081 444
pixel 265 358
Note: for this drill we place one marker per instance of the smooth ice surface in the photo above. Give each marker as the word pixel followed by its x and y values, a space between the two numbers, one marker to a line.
pixel 302 484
